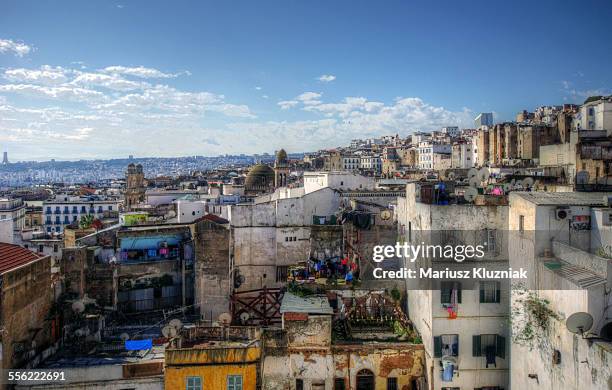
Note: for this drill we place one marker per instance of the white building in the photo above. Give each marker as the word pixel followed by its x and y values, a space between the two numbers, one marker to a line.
pixel 563 241
pixel 596 115
pixel 462 154
pixel 351 162
pixel 65 209
pixel 370 162
pixel 427 150
pixel 339 180
pixel 451 131
pixel 477 338
pixel 271 235
pixel 12 219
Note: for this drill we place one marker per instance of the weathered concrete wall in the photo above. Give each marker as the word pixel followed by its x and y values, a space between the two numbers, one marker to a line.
pixel 325 241
pixel 312 333
pixel 26 298
pixel 212 282
pixel 319 368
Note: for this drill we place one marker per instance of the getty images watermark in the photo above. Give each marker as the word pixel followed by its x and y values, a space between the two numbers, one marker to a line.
pixel 437 252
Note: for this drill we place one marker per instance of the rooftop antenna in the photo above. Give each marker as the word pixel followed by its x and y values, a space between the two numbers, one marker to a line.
pixel 579 323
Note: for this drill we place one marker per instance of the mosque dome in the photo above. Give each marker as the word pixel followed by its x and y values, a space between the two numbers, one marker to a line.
pixel 260 177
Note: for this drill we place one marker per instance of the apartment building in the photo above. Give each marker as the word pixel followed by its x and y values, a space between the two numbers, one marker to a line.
pixel 66 209
pixel 12 219
pixel 564 241
pixel 427 154
pixel 464 325
pixel 595 114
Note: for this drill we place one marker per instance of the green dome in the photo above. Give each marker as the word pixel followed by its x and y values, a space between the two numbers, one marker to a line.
pixel 259 175
pixel 281 156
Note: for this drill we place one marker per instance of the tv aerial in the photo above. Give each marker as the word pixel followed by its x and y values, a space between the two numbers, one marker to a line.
pixel 470 194
pixel 579 323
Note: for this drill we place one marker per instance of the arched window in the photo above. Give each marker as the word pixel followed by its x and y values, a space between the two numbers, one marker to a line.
pixel 365 380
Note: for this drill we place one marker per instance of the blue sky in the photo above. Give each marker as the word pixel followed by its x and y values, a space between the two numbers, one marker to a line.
pixel 98 79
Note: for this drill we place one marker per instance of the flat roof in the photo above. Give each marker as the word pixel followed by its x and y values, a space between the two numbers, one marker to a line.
pixel 315 304
pixel 563 198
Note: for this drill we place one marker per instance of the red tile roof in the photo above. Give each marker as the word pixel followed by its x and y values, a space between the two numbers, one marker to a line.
pixel 14 256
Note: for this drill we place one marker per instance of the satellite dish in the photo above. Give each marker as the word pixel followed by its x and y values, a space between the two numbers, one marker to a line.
pixel 579 323
pixel 78 306
pixel 225 318
pixel 582 177
pixel 484 174
pixel 470 194
pixel 528 182
pixel 473 172
pixel 124 336
pixel 451 176
pixel 507 187
pixel 518 184
pixel 169 331
pixel 244 317
pixel 176 324
pixel 385 214
pixel 474 182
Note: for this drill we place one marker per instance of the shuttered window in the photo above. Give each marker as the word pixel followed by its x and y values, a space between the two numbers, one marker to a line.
pixel 446 289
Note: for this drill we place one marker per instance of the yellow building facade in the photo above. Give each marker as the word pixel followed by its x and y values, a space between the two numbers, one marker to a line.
pixel 219 367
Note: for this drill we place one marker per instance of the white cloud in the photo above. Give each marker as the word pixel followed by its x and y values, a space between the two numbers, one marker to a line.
pixel 265 96
pixel 18 48
pixel 308 96
pixel 287 104
pixel 46 75
pixel 113 82
pixel 258 88
pixel 141 71
pixel 326 78
pixel 59 92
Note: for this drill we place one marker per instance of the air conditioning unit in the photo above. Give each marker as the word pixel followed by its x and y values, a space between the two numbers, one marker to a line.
pixel 562 213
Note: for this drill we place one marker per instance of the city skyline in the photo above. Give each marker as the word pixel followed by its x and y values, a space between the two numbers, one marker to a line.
pixel 202 80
